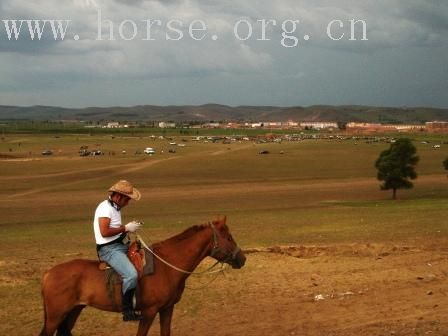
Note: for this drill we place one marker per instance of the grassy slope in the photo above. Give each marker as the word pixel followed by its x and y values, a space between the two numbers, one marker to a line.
pixel 315 180
pixel 317 192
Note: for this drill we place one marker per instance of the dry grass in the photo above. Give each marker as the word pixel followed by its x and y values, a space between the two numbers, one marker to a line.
pixel 317 193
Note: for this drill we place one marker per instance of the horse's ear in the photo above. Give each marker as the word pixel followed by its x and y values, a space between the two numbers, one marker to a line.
pixel 220 219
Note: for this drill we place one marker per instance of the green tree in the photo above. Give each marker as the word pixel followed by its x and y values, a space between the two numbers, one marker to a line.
pixel 396 166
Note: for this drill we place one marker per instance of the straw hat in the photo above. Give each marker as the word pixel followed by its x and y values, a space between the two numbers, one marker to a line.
pixel 126 188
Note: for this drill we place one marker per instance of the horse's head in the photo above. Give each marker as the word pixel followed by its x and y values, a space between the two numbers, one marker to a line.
pixel 225 249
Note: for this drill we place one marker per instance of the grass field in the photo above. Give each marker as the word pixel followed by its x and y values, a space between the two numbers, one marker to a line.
pixel 312 192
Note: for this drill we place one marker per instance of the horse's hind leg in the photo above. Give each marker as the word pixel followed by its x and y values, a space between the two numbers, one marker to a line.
pixel 50 326
pixel 66 326
pixel 56 314
pixel 52 322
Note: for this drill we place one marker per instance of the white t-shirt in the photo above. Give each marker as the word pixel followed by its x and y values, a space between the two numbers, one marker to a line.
pixel 105 209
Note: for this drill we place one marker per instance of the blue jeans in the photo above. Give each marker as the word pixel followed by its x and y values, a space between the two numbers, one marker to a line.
pixel 116 256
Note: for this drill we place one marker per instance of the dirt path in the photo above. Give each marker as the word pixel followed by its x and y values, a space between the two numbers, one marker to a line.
pixel 108 173
pixel 337 290
pixel 329 187
pixel 228 150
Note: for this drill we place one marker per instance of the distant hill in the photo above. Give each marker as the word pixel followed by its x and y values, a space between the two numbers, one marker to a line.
pixel 214 112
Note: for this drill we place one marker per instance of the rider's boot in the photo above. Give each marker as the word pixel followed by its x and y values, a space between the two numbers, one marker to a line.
pixel 129 314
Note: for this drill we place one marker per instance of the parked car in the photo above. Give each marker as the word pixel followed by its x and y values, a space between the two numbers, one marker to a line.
pixel 47 152
pixel 149 150
pixel 263 152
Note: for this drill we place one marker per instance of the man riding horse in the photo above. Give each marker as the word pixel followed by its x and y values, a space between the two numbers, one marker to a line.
pixel 110 245
pixel 69 287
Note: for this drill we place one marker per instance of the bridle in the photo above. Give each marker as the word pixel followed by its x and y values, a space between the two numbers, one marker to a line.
pixel 229 256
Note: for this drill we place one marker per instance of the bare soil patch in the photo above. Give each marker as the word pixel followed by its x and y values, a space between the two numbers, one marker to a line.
pixel 355 289
pixel 13 158
pixel 332 290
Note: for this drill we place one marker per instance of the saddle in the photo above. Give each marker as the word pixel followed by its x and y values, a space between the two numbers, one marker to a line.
pixel 143 262
pixel 140 258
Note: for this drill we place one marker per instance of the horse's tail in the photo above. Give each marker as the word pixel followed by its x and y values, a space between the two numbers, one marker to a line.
pixel 44 328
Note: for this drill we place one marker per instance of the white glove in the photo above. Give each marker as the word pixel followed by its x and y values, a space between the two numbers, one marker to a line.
pixel 132 226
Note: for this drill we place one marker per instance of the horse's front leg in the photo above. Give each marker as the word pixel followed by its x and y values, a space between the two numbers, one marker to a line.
pixel 165 320
pixel 146 322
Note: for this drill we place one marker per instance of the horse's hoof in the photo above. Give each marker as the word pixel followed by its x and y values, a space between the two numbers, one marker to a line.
pixel 131 316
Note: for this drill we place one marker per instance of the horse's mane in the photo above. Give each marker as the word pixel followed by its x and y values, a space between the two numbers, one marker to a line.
pixel 188 232
pixel 183 235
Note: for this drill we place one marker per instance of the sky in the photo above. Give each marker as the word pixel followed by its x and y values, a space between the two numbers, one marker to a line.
pixel 185 52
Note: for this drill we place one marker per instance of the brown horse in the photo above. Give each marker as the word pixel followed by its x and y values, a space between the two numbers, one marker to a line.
pixel 69 287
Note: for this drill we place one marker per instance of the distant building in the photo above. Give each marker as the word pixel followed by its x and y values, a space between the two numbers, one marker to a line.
pixel 256 125
pixel 291 124
pixel 358 125
pixel 272 124
pixel 437 125
pixel 375 127
pixel 164 124
pixel 404 128
pixel 233 125
pixel 113 124
pixel 319 124
pixel 212 125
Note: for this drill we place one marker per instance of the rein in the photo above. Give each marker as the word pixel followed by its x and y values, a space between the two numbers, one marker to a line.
pixel 209 270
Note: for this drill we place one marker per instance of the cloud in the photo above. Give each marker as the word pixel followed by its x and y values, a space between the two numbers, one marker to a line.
pixel 395 29
pixel 137 57
pixel 389 23
pixel 86 3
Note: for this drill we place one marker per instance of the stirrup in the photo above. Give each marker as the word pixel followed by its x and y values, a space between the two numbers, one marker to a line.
pixel 131 316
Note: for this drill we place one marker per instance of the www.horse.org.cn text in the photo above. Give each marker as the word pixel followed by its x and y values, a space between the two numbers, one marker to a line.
pixel 289 33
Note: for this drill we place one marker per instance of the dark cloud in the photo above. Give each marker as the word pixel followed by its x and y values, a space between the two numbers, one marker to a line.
pixel 432 16
pixel 402 63
pixel 134 2
pixel 24 43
